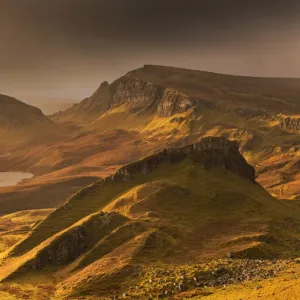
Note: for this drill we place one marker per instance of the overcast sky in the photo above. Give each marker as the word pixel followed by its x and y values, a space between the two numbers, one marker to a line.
pixel 63 49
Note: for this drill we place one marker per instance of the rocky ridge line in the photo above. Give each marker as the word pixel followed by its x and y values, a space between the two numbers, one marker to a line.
pixel 209 152
pixel 147 97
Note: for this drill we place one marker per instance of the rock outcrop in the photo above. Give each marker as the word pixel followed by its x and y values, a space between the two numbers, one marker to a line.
pixel 140 96
pixel 174 102
pixel 290 124
pixel 209 152
pixel 247 139
pixel 71 243
pixel 146 97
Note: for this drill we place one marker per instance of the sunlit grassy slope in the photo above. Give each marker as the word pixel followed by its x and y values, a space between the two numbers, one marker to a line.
pixel 14 227
pixel 178 214
pixel 179 180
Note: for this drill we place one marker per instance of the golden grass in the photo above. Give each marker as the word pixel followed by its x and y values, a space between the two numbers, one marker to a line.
pixel 196 215
pixel 14 227
pixel 191 198
pixel 283 286
pixel 95 227
pixel 200 183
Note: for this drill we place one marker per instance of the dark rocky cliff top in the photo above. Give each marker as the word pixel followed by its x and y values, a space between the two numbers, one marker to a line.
pixel 208 153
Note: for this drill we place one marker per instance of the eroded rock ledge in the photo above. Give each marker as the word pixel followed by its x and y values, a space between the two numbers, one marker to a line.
pixel 210 152
pixel 290 124
pixel 146 97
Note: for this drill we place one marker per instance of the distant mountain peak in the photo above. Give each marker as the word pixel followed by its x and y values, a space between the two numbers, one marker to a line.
pixel 104 84
pixel 23 123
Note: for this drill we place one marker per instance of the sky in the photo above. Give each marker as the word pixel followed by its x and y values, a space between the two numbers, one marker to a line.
pixel 61 50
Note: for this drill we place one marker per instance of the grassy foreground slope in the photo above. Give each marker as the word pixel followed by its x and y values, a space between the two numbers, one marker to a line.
pixel 155 225
pixel 14 227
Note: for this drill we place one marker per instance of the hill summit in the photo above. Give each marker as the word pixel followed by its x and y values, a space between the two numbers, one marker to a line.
pixel 21 123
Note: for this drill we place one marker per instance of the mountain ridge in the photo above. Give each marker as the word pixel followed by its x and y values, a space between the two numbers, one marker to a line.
pixel 145 66
pixel 148 74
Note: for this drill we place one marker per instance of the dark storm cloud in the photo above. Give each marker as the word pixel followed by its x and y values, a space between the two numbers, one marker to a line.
pixel 64 47
pixel 148 20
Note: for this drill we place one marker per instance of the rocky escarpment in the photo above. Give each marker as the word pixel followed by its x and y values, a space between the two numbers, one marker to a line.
pixel 140 95
pixel 167 91
pixel 174 102
pixel 209 152
pixel 247 139
pixel 290 124
pixel 146 97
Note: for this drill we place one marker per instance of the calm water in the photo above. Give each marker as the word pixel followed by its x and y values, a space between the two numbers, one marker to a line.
pixel 12 178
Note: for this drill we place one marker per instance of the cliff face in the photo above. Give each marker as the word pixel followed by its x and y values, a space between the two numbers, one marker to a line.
pixel 73 242
pixel 210 152
pixel 147 97
pixel 291 125
pixel 167 91
pixel 141 96
pixel 174 102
